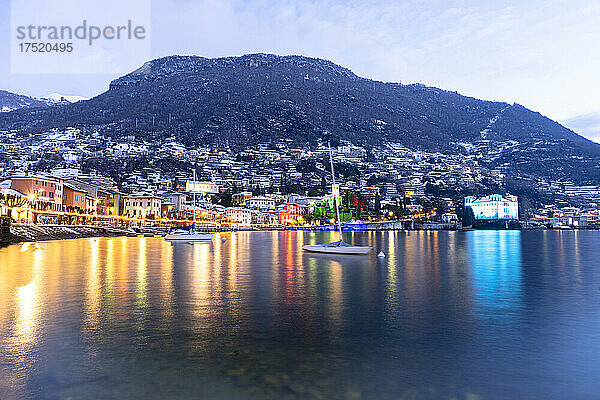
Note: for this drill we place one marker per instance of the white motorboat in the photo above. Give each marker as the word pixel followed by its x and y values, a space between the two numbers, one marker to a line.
pixel 189 235
pixel 339 247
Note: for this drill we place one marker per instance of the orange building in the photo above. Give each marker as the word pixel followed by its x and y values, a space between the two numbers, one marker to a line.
pixel 98 198
pixel 43 193
pixel 73 198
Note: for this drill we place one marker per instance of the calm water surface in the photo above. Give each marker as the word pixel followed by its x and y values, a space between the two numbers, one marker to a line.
pixel 446 315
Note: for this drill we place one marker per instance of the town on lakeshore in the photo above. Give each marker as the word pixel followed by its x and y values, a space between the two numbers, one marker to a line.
pixel 300 200
pixel 76 177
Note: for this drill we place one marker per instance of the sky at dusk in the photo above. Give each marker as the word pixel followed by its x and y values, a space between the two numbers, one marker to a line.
pixel 538 53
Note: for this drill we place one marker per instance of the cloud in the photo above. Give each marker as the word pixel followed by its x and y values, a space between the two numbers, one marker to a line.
pixel 587 125
pixel 534 53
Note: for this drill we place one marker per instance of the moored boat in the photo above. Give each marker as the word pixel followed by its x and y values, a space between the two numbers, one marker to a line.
pixel 188 235
pixel 337 248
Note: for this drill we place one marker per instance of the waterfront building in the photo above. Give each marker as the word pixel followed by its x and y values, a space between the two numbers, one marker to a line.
pixel 260 218
pixel 99 195
pixel 115 203
pixel 43 193
pixel 239 216
pixel 589 219
pixel 168 210
pixel 177 200
pixel 73 198
pixel 91 204
pixel 494 207
pixel 291 214
pixel 449 218
pixel 143 206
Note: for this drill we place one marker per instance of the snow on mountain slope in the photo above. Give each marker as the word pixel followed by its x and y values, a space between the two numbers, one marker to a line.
pixel 57 98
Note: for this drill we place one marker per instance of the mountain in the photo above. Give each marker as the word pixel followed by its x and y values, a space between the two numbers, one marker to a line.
pixel 12 101
pixel 60 98
pixel 260 97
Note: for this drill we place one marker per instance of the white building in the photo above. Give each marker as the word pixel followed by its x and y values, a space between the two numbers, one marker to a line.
pixel 177 199
pixel 142 206
pixel 449 218
pixel 240 216
pixel 261 203
pixel 201 187
pixel 494 207
pixel 66 173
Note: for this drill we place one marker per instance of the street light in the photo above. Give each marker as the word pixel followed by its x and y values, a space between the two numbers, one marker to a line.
pixel 30 200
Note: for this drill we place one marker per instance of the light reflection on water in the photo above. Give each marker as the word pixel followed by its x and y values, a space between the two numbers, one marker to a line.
pixel 496 273
pixel 482 314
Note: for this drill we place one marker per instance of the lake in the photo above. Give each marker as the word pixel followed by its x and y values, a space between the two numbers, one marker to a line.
pixel 445 315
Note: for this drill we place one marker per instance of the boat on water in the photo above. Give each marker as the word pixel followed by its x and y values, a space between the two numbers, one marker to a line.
pixel 339 247
pixel 189 234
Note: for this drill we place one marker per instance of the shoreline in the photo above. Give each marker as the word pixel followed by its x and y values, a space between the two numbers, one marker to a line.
pixel 21 233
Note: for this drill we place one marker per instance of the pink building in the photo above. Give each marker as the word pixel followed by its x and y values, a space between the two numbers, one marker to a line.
pixel 44 193
pixel 291 214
